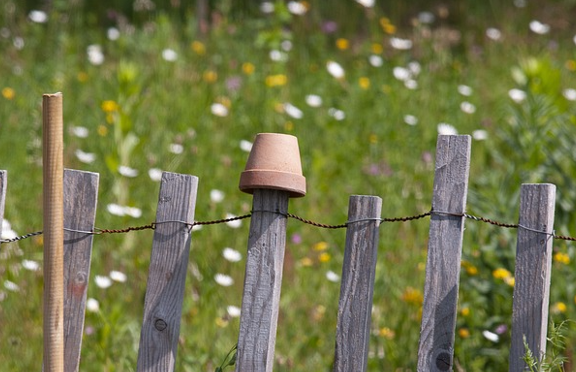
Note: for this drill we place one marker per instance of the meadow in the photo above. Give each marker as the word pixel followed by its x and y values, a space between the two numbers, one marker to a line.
pixel 150 87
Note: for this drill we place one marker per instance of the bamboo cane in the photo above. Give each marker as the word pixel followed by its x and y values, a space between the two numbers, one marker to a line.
pixel 53 204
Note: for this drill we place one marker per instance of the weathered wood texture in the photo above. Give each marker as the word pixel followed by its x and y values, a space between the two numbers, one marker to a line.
pixel 532 276
pixel 80 199
pixel 357 288
pixel 167 273
pixel 436 350
pixel 53 213
pixel 262 281
pixel 3 183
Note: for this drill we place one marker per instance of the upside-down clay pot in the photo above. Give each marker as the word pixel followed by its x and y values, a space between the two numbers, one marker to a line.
pixel 274 163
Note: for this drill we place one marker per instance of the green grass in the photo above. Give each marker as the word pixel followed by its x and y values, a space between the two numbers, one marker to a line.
pixel 371 151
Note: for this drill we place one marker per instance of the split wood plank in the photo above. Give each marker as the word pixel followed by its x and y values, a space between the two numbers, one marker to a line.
pixel 3 183
pixel 167 273
pixel 532 273
pixel 357 288
pixel 80 200
pixel 436 348
pixel 262 281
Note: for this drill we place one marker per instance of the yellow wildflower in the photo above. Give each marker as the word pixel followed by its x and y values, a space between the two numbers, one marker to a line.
pixel 198 47
pixel 562 258
pixel 210 76
pixel 472 270
pixel 464 332
pixel 39 240
pixel 342 44
pixel 412 296
pixel 465 311
pixel 387 333
pixel 387 27
pixel 221 322
pixel 109 106
pixel 469 267
pixel 306 262
pixel 102 130
pixel 373 138
pixel 289 126
pixel 364 82
pixel 8 93
pixel 510 281
pixel 324 257
pixel 248 68
pixel 501 273
pixel 571 65
pixel 276 80
pixel 559 307
pixel 320 246
pixel 377 48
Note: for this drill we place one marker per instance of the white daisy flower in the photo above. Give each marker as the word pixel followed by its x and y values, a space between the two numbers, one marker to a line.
pixel 126 171
pixel 224 280
pixel 118 276
pixel 102 281
pixel 446 129
pixel 231 255
pixel 332 276
pixel 335 69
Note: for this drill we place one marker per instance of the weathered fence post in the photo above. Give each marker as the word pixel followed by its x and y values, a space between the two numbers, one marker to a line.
pixel 357 288
pixel 532 276
pixel 53 205
pixel 436 350
pixel 80 199
pixel 3 183
pixel 273 174
pixel 167 273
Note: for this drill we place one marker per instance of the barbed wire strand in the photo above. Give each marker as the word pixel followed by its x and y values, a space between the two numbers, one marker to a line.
pixel 152 226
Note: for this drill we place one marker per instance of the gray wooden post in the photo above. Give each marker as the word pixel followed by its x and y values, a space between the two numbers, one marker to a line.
pixel 436 350
pixel 532 276
pixel 262 281
pixel 80 199
pixel 167 273
pixel 3 183
pixel 357 288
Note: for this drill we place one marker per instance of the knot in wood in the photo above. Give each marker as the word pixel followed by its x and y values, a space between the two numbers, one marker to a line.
pixel 443 361
pixel 160 325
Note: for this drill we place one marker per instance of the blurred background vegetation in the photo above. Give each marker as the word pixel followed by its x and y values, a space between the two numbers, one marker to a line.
pixel 365 86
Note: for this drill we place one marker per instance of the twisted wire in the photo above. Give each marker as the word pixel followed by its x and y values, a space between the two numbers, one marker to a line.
pixel 152 226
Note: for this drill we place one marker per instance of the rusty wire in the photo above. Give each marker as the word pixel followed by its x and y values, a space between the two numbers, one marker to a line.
pixel 152 226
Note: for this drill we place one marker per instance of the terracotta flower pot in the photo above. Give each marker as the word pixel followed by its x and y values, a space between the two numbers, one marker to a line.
pixel 274 163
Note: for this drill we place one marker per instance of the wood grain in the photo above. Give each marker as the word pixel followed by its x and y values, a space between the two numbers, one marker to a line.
pixel 357 288
pixel 532 273
pixel 436 349
pixel 80 200
pixel 262 281
pixel 167 273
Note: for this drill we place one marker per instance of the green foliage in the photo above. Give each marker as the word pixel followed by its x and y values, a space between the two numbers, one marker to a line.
pixel 229 359
pixel 552 360
pixel 166 96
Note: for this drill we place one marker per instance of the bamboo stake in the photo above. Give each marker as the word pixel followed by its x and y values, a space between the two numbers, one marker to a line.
pixel 53 203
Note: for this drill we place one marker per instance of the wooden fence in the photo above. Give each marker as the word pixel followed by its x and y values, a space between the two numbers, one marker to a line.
pixel 263 277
